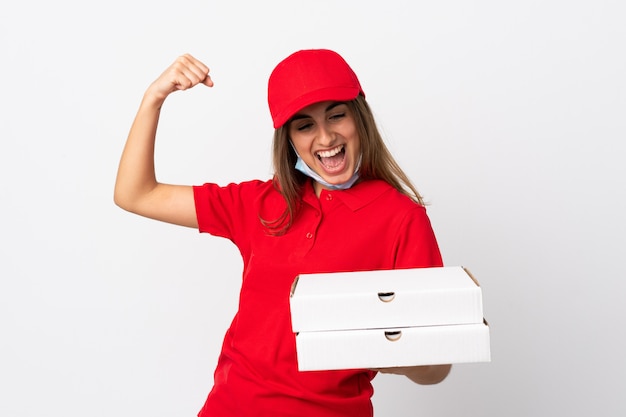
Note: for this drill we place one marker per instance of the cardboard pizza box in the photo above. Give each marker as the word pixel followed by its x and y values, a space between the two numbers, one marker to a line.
pixel 385 298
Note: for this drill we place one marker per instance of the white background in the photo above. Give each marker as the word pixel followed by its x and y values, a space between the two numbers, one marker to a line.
pixel 508 116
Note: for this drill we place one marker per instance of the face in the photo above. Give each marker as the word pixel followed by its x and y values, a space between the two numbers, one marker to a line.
pixel 325 136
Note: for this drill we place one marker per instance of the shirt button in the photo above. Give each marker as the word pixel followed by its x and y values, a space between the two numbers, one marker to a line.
pixel 309 235
pixel 329 197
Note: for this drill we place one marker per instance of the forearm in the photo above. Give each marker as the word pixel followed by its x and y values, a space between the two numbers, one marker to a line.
pixel 423 375
pixel 428 375
pixel 136 176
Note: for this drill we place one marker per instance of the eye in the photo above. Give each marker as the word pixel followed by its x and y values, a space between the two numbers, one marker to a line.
pixel 337 116
pixel 303 126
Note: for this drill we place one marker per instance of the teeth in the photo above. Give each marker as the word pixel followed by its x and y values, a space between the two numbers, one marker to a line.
pixel 332 152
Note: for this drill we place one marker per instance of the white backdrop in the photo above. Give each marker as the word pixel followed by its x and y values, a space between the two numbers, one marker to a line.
pixel 508 116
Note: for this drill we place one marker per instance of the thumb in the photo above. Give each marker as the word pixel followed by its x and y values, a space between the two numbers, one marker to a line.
pixel 208 81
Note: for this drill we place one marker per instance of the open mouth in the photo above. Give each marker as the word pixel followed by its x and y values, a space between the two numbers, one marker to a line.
pixel 332 159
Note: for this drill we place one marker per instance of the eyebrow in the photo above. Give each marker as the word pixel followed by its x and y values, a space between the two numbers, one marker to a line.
pixel 305 116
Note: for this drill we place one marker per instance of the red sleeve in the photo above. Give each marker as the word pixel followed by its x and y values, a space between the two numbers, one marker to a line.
pixel 227 211
pixel 417 246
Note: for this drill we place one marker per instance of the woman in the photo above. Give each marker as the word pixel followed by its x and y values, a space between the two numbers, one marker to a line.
pixel 337 202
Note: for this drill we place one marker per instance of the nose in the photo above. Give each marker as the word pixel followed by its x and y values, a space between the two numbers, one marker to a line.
pixel 326 135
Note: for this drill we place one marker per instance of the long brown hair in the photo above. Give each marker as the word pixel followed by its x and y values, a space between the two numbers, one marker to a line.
pixel 376 163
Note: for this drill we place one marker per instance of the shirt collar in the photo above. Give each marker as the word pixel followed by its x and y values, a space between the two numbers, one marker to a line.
pixel 355 197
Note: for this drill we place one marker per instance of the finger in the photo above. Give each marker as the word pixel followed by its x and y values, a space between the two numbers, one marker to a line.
pixel 208 81
pixel 193 71
pixel 195 66
pixel 191 61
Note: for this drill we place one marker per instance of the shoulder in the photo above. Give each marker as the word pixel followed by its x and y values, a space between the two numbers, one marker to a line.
pixel 248 188
pixel 233 198
pixel 228 210
pixel 381 193
pixel 260 196
pixel 397 208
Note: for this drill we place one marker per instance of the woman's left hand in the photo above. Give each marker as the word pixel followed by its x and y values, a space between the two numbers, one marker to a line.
pixel 424 375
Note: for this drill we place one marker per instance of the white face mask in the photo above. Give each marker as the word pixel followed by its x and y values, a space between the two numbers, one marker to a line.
pixel 308 171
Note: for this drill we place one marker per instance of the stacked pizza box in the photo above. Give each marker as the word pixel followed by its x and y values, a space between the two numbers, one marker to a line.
pixel 380 319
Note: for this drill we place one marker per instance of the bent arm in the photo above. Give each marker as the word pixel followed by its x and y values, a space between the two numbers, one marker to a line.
pixel 136 188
